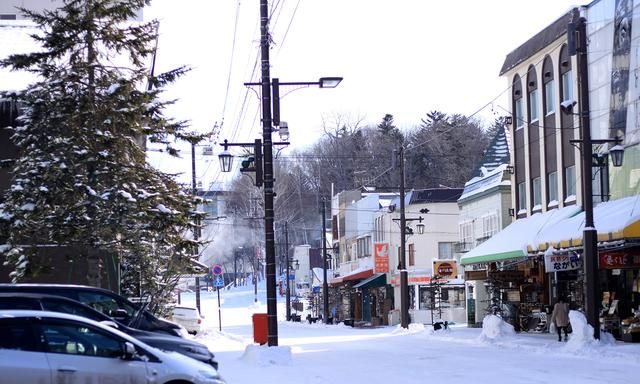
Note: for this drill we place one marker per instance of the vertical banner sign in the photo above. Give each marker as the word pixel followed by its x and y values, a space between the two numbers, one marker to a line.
pixel 620 67
pixel 381 257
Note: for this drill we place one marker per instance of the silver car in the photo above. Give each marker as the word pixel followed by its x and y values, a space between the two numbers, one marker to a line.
pixel 52 347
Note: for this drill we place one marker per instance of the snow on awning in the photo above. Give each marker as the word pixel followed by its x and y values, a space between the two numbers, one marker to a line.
pixel 615 220
pixel 513 241
pixel 353 276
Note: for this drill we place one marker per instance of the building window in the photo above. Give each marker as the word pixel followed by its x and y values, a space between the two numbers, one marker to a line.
pixel 445 251
pixel 466 235
pixel 533 105
pixel 489 226
pixel 549 97
pixel 522 197
pixel 552 186
pixel 363 247
pixel 8 16
pixel 570 181
pixel 536 192
pixel 412 254
pixel 567 86
pixel 518 115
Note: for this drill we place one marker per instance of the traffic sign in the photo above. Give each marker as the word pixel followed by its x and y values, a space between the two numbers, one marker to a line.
pixel 218 282
pixel 217 269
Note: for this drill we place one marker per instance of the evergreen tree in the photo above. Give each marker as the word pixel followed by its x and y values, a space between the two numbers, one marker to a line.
pixel 82 178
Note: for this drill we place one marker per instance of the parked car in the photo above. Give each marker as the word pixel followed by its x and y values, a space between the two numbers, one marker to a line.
pixel 44 302
pixel 188 317
pixel 105 301
pixel 46 347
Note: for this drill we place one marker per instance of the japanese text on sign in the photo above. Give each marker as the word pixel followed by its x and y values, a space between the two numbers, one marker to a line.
pixel 557 263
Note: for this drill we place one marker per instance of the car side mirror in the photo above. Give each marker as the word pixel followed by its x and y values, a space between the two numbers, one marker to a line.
pixel 128 351
pixel 120 314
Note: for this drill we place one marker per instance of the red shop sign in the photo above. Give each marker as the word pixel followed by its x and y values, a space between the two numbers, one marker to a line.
pixel 615 260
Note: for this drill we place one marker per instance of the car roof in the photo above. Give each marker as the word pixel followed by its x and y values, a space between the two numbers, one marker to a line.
pixel 37 295
pixel 49 285
pixel 20 313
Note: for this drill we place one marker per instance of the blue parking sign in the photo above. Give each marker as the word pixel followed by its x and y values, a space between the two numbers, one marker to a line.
pixel 218 282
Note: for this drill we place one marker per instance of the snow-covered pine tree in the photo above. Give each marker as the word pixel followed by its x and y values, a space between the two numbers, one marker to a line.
pixel 82 179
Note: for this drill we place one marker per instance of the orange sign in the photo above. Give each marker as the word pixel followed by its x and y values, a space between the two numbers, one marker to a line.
pixel 447 269
pixel 381 257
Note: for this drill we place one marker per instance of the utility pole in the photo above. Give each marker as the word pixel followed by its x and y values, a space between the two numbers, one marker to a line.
pixel 288 271
pixel 325 285
pixel 404 281
pixel 270 254
pixel 196 230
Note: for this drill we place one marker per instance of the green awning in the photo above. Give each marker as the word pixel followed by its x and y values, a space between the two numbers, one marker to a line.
pixel 492 257
pixel 375 281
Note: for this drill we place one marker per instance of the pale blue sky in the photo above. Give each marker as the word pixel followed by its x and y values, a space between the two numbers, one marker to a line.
pixel 404 57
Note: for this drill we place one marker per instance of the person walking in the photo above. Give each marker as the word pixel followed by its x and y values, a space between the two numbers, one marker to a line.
pixel 560 317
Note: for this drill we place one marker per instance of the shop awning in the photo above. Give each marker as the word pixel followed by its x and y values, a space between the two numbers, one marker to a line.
pixel 615 221
pixel 512 241
pixel 353 276
pixel 375 281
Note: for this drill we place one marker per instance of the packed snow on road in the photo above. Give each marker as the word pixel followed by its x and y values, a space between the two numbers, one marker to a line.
pixel 319 353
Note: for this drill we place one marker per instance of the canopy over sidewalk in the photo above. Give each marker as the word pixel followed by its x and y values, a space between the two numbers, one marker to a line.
pixel 513 241
pixel 616 221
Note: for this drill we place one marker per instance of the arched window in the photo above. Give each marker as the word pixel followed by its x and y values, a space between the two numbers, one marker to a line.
pixel 518 111
pixel 532 95
pixel 566 75
pixel 549 90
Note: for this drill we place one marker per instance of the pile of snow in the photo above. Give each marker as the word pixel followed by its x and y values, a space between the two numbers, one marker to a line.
pixel 263 355
pixel 413 328
pixel 581 337
pixel 494 328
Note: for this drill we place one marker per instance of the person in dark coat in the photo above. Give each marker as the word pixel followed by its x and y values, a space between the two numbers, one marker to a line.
pixel 560 317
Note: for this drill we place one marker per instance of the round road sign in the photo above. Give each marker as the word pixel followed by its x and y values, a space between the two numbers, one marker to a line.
pixel 217 269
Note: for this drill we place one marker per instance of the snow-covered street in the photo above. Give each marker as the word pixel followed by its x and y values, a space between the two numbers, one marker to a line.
pixel 318 353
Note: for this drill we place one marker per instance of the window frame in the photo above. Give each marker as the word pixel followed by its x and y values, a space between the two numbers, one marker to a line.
pixel 570 185
pixel 522 196
pixel 536 192
pixel 549 97
pixel 552 187
pixel 533 105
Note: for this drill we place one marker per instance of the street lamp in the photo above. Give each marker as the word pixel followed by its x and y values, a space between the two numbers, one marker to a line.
pixel 590 236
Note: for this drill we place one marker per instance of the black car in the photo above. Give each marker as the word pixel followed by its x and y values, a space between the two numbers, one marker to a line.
pixel 105 301
pixel 44 302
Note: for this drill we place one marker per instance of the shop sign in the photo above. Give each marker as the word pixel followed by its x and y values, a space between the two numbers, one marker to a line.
pixel 446 269
pixel 615 260
pixel 381 257
pixel 559 263
pixel 412 279
pixel 475 275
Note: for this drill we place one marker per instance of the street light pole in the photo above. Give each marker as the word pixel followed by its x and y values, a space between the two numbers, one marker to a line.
pixel 325 285
pixel 404 278
pixel 196 230
pixel 288 271
pixel 270 254
pixel 590 245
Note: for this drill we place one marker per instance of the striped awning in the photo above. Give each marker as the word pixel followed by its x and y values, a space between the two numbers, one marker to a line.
pixel 615 221
pixel 351 277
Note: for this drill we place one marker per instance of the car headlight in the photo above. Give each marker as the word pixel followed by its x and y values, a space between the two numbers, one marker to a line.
pixel 196 349
pixel 210 377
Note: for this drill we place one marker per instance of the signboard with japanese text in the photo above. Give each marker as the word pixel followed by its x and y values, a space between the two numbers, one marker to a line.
pixel 620 259
pixel 447 269
pixel 381 257
pixel 559 263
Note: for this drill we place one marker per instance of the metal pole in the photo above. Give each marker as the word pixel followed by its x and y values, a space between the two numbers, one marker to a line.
pixel 195 230
pixel 219 312
pixel 592 281
pixel 404 278
pixel 270 254
pixel 325 285
pixel 286 251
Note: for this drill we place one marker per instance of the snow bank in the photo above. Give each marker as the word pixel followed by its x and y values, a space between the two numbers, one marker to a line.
pixel 413 328
pixel 494 328
pixel 581 337
pixel 263 355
